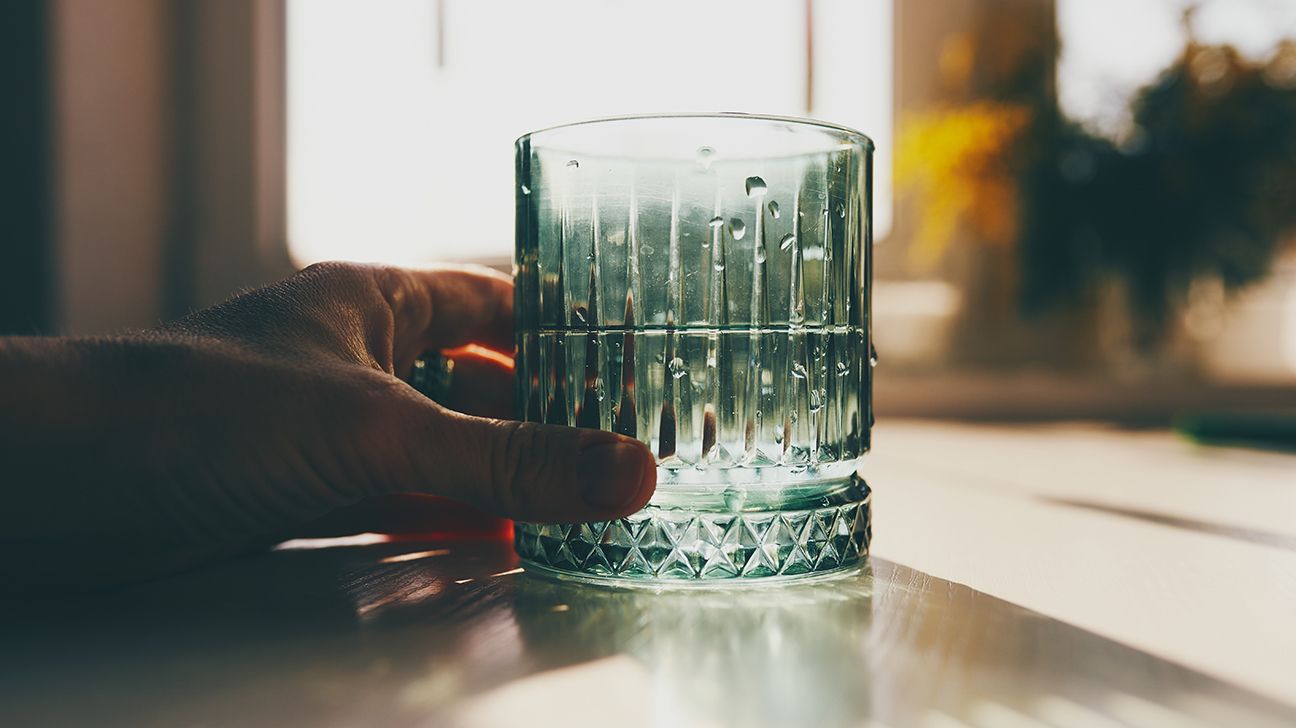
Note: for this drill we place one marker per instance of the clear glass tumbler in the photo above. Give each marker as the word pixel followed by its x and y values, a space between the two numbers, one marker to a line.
pixel 701 283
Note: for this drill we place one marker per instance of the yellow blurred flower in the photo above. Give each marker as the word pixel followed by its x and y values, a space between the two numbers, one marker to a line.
pixel 956 162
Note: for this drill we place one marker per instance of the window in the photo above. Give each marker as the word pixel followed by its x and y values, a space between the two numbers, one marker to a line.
pixel 402 114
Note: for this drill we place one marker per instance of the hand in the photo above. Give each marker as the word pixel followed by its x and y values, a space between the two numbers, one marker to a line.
pixel 242 424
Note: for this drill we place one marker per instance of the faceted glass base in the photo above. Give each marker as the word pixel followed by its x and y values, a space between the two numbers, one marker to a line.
pixel 671 541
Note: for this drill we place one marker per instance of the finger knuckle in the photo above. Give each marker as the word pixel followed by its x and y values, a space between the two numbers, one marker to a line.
pixel 394 284
pixel 521 466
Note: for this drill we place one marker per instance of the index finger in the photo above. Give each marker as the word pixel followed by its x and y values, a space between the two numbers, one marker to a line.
pixel 448 307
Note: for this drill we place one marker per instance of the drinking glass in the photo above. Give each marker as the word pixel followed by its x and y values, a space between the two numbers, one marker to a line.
pixel 701 283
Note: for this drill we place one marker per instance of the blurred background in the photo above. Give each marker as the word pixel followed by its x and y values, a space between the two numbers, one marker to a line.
pixel 1084 209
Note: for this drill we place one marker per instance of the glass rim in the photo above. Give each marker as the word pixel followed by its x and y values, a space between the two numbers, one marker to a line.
pixel 853 135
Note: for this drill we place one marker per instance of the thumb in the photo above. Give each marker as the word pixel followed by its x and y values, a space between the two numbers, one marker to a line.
pixel 527 471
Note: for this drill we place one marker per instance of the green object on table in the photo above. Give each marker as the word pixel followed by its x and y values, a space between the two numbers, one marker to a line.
pixel 1271 430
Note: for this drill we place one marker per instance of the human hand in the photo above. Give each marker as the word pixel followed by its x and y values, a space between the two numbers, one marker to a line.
pixel 243 424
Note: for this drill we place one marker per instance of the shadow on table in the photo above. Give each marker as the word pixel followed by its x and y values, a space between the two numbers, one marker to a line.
pixel 421 634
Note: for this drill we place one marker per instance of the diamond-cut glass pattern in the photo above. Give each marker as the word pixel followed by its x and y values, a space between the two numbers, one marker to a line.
pixel 678 544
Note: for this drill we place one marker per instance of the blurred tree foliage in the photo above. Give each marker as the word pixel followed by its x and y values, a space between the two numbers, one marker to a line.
pixel 1204 185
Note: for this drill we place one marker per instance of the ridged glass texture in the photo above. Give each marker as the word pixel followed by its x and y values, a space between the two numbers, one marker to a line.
pixel 701 283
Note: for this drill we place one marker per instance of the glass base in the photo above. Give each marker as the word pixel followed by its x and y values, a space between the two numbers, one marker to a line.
pixel 787 533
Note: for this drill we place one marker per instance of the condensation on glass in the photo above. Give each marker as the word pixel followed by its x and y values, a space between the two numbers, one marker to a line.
pixel 701 283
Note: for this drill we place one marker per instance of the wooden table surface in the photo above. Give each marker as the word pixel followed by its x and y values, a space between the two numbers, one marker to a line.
pixel 1059 575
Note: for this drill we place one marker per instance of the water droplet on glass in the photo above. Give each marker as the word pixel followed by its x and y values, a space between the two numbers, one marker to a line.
pixel 792 416
pixel 719 267
pixel 774 209
pixel 787 241
pixel 705 156
pixel 756 187
pixel 760 253
pixel 526 190
pixel 843 368
pixel 738 228
pixel 716 221
pixel 873 357
pixel 659 358
pixel 677 368
pixel 579 313
pixel 841 210
pixel 647 249
pixel 572 164
pixel 798 370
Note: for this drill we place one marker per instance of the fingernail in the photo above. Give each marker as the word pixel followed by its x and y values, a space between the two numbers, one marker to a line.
pixel 610 473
